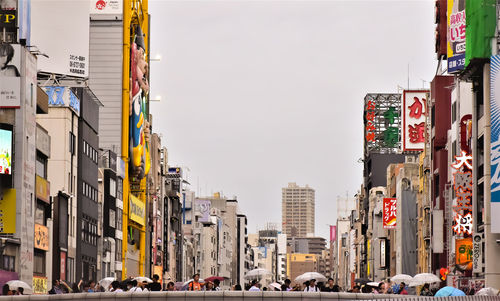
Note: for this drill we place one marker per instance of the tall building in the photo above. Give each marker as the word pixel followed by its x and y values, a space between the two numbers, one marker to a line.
pixel 298 210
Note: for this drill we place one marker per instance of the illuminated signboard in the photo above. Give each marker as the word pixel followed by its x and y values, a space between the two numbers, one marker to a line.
pixel 456 35
pixel 414 112
pixel 5 149
pixel 382 122
pixel 389 214
pixel 462 183
pixel 463 252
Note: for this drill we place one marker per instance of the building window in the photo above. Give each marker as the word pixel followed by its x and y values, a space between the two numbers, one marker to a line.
pixel 112 218
pixel 70 275
pixel 39 262
pixel 9 263
pixel 118 255
pixel 119 219
pixel 41 165
pixel 40 213
pixel 112 187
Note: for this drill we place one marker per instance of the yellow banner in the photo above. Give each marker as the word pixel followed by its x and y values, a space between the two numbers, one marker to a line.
pixel 137 210
pixel 39 285
pixel 41 237
pixel 8 212
pixel 42 189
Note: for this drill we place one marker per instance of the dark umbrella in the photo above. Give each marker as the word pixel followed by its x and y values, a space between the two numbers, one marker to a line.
pixel 211 279
pixel 362 280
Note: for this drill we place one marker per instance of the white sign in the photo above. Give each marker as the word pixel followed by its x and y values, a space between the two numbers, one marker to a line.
pixel 60 29
pixel 477 254
pixel 414 110
pixel 10 76
pixel 112 7
pixel 382 253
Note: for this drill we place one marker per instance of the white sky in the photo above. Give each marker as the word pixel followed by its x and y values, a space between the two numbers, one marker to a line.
pixel 256 94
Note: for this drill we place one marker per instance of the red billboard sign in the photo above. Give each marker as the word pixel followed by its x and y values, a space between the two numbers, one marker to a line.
pixel 390 211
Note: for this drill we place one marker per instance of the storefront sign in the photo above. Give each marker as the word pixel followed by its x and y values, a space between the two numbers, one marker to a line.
pixel 42 189
pixel 63 266
pixel 106 7
pixel 137 210
pixel 456 35
pixel 382 253
pixel 463 252
pixel 8 18
pixel 63 97
pixel 495 142
pixel 41 237
pixel 477 254
pixel 6 149
pixel 8 211
pixel 390 213
pixel 39 285
pixel 462 183
pixel 414 111
pixel 10 76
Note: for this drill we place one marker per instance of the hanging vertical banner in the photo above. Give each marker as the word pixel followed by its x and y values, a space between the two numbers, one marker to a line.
pixel 390 211
pixel 477 254
pixel 495 142
pixel 462 184
pixel 456 35
pixel 463 252
pixel 414 110
pixel 333 233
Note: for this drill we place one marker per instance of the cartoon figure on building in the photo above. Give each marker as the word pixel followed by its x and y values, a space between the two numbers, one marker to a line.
pixel 139 133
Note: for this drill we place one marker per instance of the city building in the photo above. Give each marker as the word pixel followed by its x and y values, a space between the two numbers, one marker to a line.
pixel 298 210
pixel 298 264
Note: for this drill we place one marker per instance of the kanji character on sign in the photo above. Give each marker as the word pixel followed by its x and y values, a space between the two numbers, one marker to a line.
pixel 390 115
pixel 391 136
pixel 370 127
pixel 463 180
pixel 416 132
pixel 464 199
pixel 461 160
pixel 370 115
pixel 370 136
pixel 463 224
pixel 417 108
pixel 370 106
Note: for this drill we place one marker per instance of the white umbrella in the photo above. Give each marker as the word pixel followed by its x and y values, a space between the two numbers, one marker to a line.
pixel 421 279
pixel 275 285
pixel 191 280
pixel 487 291
pixel 15 284
pixel 401 278
pixel 142 279
pixel 257 274
pixel 310 275
pixel 374 284
pixel 105 282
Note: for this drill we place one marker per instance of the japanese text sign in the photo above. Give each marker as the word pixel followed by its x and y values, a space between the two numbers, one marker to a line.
pixel 414 112
pixel 389 214
pixel 370 117
pixel 463 252
pixel 462 183
pixel 495 142
pixel 456 35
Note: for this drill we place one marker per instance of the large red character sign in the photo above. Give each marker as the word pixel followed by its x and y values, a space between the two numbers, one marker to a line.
pixel 390 213
pixel 415 111
pixel 462 183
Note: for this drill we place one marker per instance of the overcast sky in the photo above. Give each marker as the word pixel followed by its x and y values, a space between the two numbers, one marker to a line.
pixel 256 94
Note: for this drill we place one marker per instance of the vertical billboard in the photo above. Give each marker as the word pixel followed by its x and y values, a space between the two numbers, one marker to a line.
pixel 8 20
pixel 63 37
pixel 333 233
pixel 495 142
pixel 456 35
pixel 414 109
pixel 8 212
pixel 6 134
pixel 10 77
pixel 382 122
pixel 389 213
pixel 202 207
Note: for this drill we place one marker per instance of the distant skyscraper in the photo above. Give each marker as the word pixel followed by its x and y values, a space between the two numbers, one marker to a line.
pixel 297 210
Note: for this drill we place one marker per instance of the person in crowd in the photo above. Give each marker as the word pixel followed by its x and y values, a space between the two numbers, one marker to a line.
pixel 356 289
pixel 20 291
pixel 255 286
pixel 209 286
pixel 297 288
pixel 195 285
pixel 288 284
pixel 6 290
pixel 425 291
pixel 237 287
pixel 331 286
pixel 284 288
pixel 135 286
pixel 115 287
pixel 264 289
pixel 144 286
pixel 402 290
pixel 56 288
pixel 92 287
pixel 312 286
pixel 155 286
pixel 365 289
pixel 216 285
pixel 171 286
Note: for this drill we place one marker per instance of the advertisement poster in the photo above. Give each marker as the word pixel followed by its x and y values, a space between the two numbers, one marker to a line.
pixel 203 209
pixel 390 213
pixel 333 233
pixel 414 111
pixel 456 35
pixel 39 285
pixel 106 7
pixel 5 150
pixel 495 142
pixel 8 211
pixel 463 252
pixel 137 210
pixel 10 76
pixel 41 237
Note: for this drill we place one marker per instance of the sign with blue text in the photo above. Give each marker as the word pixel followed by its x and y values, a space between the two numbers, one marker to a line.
pixel 495 142
pixel 63 97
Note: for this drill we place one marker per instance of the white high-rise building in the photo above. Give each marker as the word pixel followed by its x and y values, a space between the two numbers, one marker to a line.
pixel 298 210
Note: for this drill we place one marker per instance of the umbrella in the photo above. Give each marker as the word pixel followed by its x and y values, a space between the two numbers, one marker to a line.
pixel 275 285
pixel 401 278
pixel 257 274
pixel 310 275
pixel 211 279
pixel 362 280
pixel 191 280
pixel 421 279
pixel 449 291
pixel 142 279
pixel 15 284
pixel 487 291
pixel 105 282
pixel 374 284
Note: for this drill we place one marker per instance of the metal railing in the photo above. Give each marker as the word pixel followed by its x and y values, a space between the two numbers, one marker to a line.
pixel 236 296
